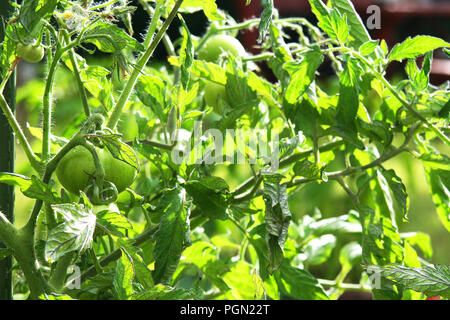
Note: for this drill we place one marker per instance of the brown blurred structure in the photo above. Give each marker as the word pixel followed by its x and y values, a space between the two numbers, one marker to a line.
pixel 394 13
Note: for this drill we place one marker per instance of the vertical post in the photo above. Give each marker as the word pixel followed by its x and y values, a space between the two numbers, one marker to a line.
pixel 6 164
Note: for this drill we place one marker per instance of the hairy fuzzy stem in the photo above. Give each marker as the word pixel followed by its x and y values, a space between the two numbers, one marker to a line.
pixel 117 109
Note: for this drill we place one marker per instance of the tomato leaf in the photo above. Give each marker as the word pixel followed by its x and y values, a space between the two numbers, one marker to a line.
pixel 302 73
pixel 123 276
pixel 211 195
pixel 32 11
pixel 277 218
pixel 299 284
pixel 348 104
pixel 411 48
pixel 120 150
pixel 31 187
pixel 151 90
pixel 110 38
pixel 75 233
pixel 433 280
pixel 113 222
pixel 266 19
pixel 357 31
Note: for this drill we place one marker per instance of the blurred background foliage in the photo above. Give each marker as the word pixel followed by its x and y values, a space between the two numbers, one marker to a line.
pixel 326 199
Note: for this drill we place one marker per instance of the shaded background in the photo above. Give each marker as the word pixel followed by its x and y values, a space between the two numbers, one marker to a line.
pixel 399 19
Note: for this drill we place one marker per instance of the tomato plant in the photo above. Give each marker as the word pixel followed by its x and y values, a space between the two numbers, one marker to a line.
pixel 290 189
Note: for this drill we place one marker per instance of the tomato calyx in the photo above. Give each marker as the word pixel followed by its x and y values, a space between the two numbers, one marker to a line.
pixel 101 195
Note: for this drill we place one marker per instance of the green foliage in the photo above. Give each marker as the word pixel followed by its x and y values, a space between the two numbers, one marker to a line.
pixel 188 227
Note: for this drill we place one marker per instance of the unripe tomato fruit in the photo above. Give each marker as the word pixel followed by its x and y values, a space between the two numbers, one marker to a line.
pixel 217 44
pixel 212 93
pixel 109 207
pixel 30 53
pixel 75 168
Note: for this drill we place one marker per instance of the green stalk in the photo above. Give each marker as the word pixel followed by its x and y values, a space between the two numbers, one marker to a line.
pixel 153 24
pixel 22 244
pixel 34 161
pixel 47 105
pixel 117 109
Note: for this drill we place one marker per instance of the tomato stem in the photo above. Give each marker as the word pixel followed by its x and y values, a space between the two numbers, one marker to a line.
pixel 117 109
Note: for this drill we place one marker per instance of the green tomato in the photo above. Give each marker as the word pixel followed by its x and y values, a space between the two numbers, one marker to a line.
pixel 30 53
pixel 214 91
pixel 74 171
pixel 217 44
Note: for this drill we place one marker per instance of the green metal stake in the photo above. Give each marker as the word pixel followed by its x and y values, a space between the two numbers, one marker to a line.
pixel 6 165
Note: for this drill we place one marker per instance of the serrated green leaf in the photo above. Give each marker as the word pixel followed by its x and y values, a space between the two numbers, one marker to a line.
pixel 113 222
pixel 120 150
pixel 206 70
pixel 209 7
pixel 151 90
pixel 431 280
pixel 171 234
pixel 266 19
pixel 211 195
pixel 31 187
pixel 240 280
pixel 368 47
pixel 302 73
pixel 74 234
pixel 32 11
pixel 398 190
pixel 143 274
pixel 277 218
pixel 358 33
pixel 334 225
pixel 110 38
pixel 348 103
pixel 238 91
pixel 420 240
